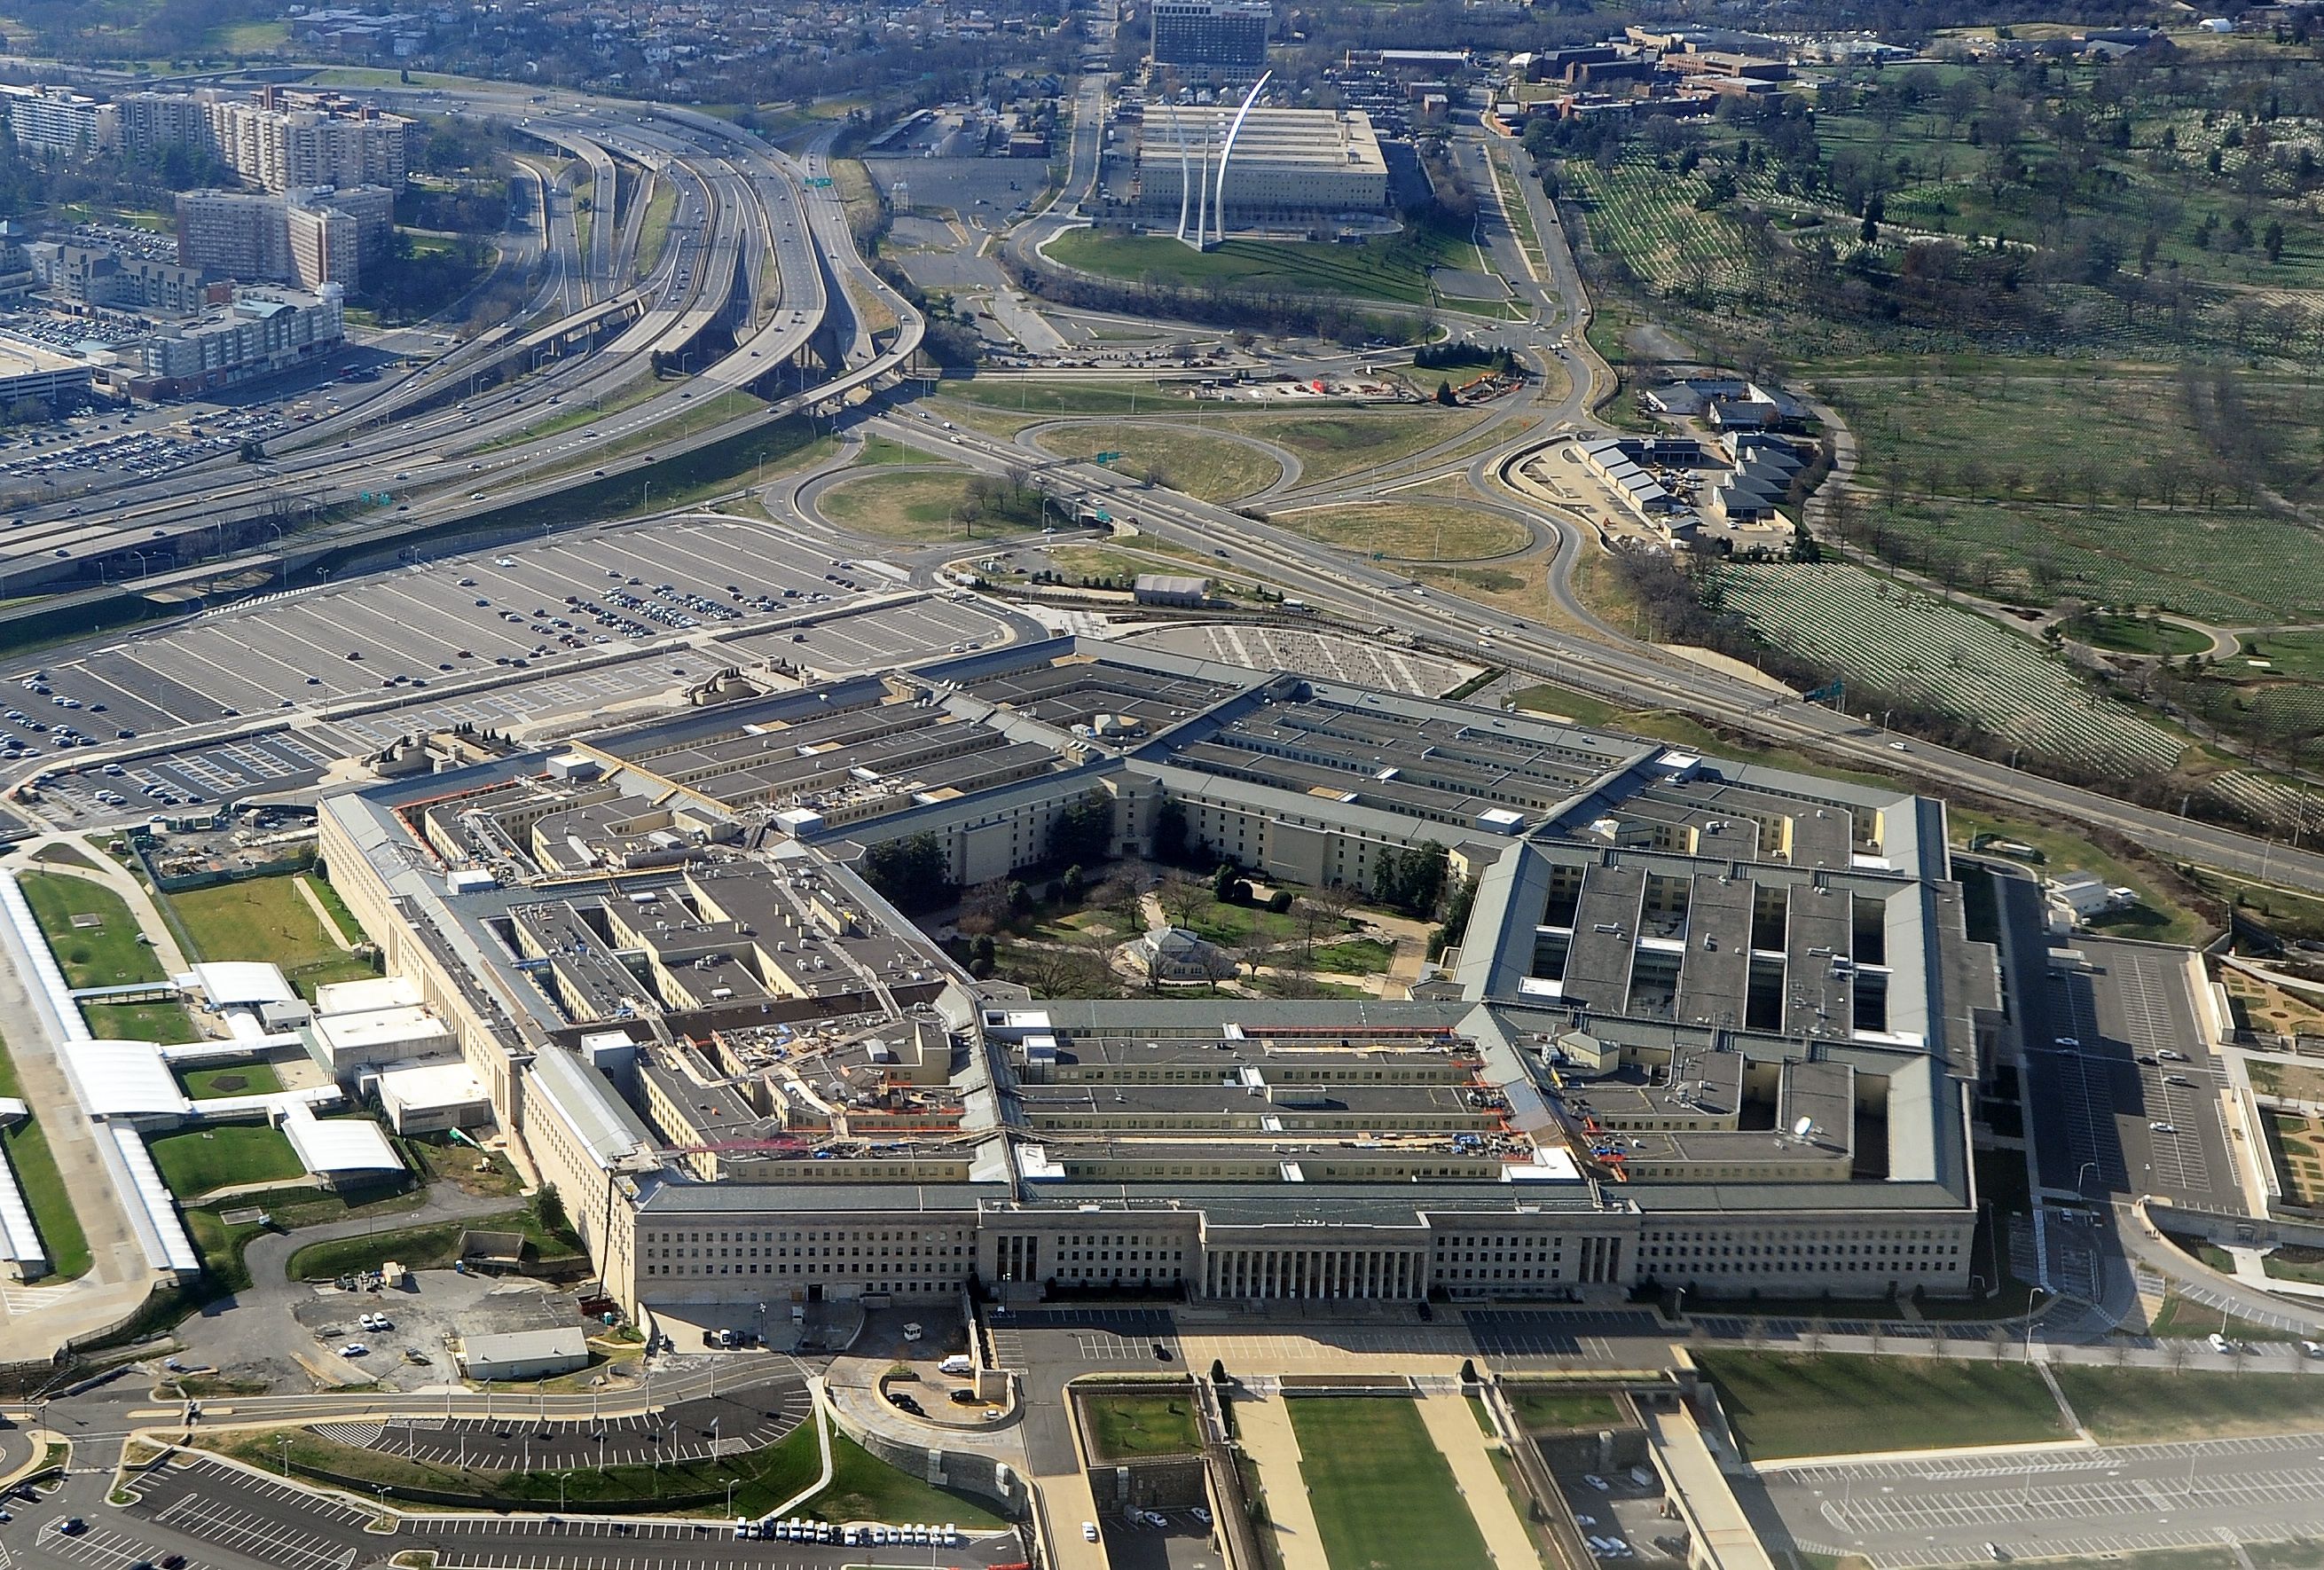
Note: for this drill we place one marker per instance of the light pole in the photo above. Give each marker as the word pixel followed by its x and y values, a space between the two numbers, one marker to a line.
pixel 560 1490
pixel 282 1448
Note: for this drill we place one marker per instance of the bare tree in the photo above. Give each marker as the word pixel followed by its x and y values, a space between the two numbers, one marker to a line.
pixel 1183 898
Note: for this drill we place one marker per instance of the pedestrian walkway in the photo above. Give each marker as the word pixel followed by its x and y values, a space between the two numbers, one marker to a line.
pixel 1265 1430
pixel 2252 1271
pixel 1453 1428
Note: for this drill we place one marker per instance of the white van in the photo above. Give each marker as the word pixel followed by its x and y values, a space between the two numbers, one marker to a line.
pixel 958 1364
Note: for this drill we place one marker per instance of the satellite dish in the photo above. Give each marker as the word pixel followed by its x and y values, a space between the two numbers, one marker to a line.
pixel 1804 1128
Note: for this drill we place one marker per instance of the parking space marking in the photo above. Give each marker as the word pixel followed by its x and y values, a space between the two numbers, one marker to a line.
pixel 248 1532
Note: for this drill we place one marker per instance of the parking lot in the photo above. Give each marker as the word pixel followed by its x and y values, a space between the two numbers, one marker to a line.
pixel 224 1518
pixel 648 641
pixel 2094 1502
pixel 688 1432
pixel 2125 1092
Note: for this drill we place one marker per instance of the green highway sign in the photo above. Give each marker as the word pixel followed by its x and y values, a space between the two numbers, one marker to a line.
pixel 1105 458
pixel 819 181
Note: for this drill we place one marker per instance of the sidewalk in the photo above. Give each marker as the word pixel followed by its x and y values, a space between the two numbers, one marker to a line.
pixel 1454 1429
pixel 1265 1430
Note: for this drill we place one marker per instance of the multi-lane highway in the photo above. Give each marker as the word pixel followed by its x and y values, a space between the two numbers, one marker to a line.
pixel 740 291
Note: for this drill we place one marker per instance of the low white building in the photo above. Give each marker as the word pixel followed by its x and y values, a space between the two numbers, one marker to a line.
pixel 378 1037
pixel 429 1098
pixel 524 1354
pixel 2074 897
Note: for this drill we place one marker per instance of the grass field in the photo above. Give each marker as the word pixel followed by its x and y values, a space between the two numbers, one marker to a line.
pixel 653 229
pixel 1383 1494
pixel 229 1079
pixel 1781 1405
pixel 266 919
pixel 2135 635
pixel 862 1487
pixel 1392 268
pixel 923 508
pixel 43 1185
pixel 1124 1424
pixel 878 452
pixel 1210 467
pixel 2135 1406
pixel 109 953
pixel 421 1247
pixel 165 1024
pixel 198 1160
pixel 1332 444
pixel 1410 530
pixel 1544 1408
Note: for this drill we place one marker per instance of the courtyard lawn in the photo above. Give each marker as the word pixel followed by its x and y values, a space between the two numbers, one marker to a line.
pixel 1548 1408
pixel 43 1185
pixel 165 1024
pixel 268 920
pixel 2136 1405
pixel 1383 1494
pixel 230 1079
pixel 200 1160
pixel 1782 1404
pixel 107 952
pixel 1126 1423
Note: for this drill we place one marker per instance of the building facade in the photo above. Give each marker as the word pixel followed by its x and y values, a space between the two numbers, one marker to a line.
pixel 1709 1025
pixel 1222 36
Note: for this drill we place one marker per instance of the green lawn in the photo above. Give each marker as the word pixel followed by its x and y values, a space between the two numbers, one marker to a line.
pixel 421 1247
pixel 1124 1424
pixel 197 1160
pixel 1383 1494
pixel 1335 442
pixel 42 1185
pixel 266 919
pixel 1782 1404
pixel 109 953
pixel 230 1079
pixel 1411 531
pixel 862 1487
pixel 925 508
pixel 1200 464
pixel 1355 957
pixel 166 1024
pixel 1391 268
pixel 341 917
pixel 2135 1406
pixel 2137 635
pixel 1549 1408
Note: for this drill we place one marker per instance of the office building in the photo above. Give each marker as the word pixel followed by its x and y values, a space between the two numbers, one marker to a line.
pixel 1709 1025
pixel 1212 37
pixel 1290 168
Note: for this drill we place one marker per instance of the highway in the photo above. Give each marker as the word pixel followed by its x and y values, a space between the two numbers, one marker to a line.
pixel 742 265
pixel 756 250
